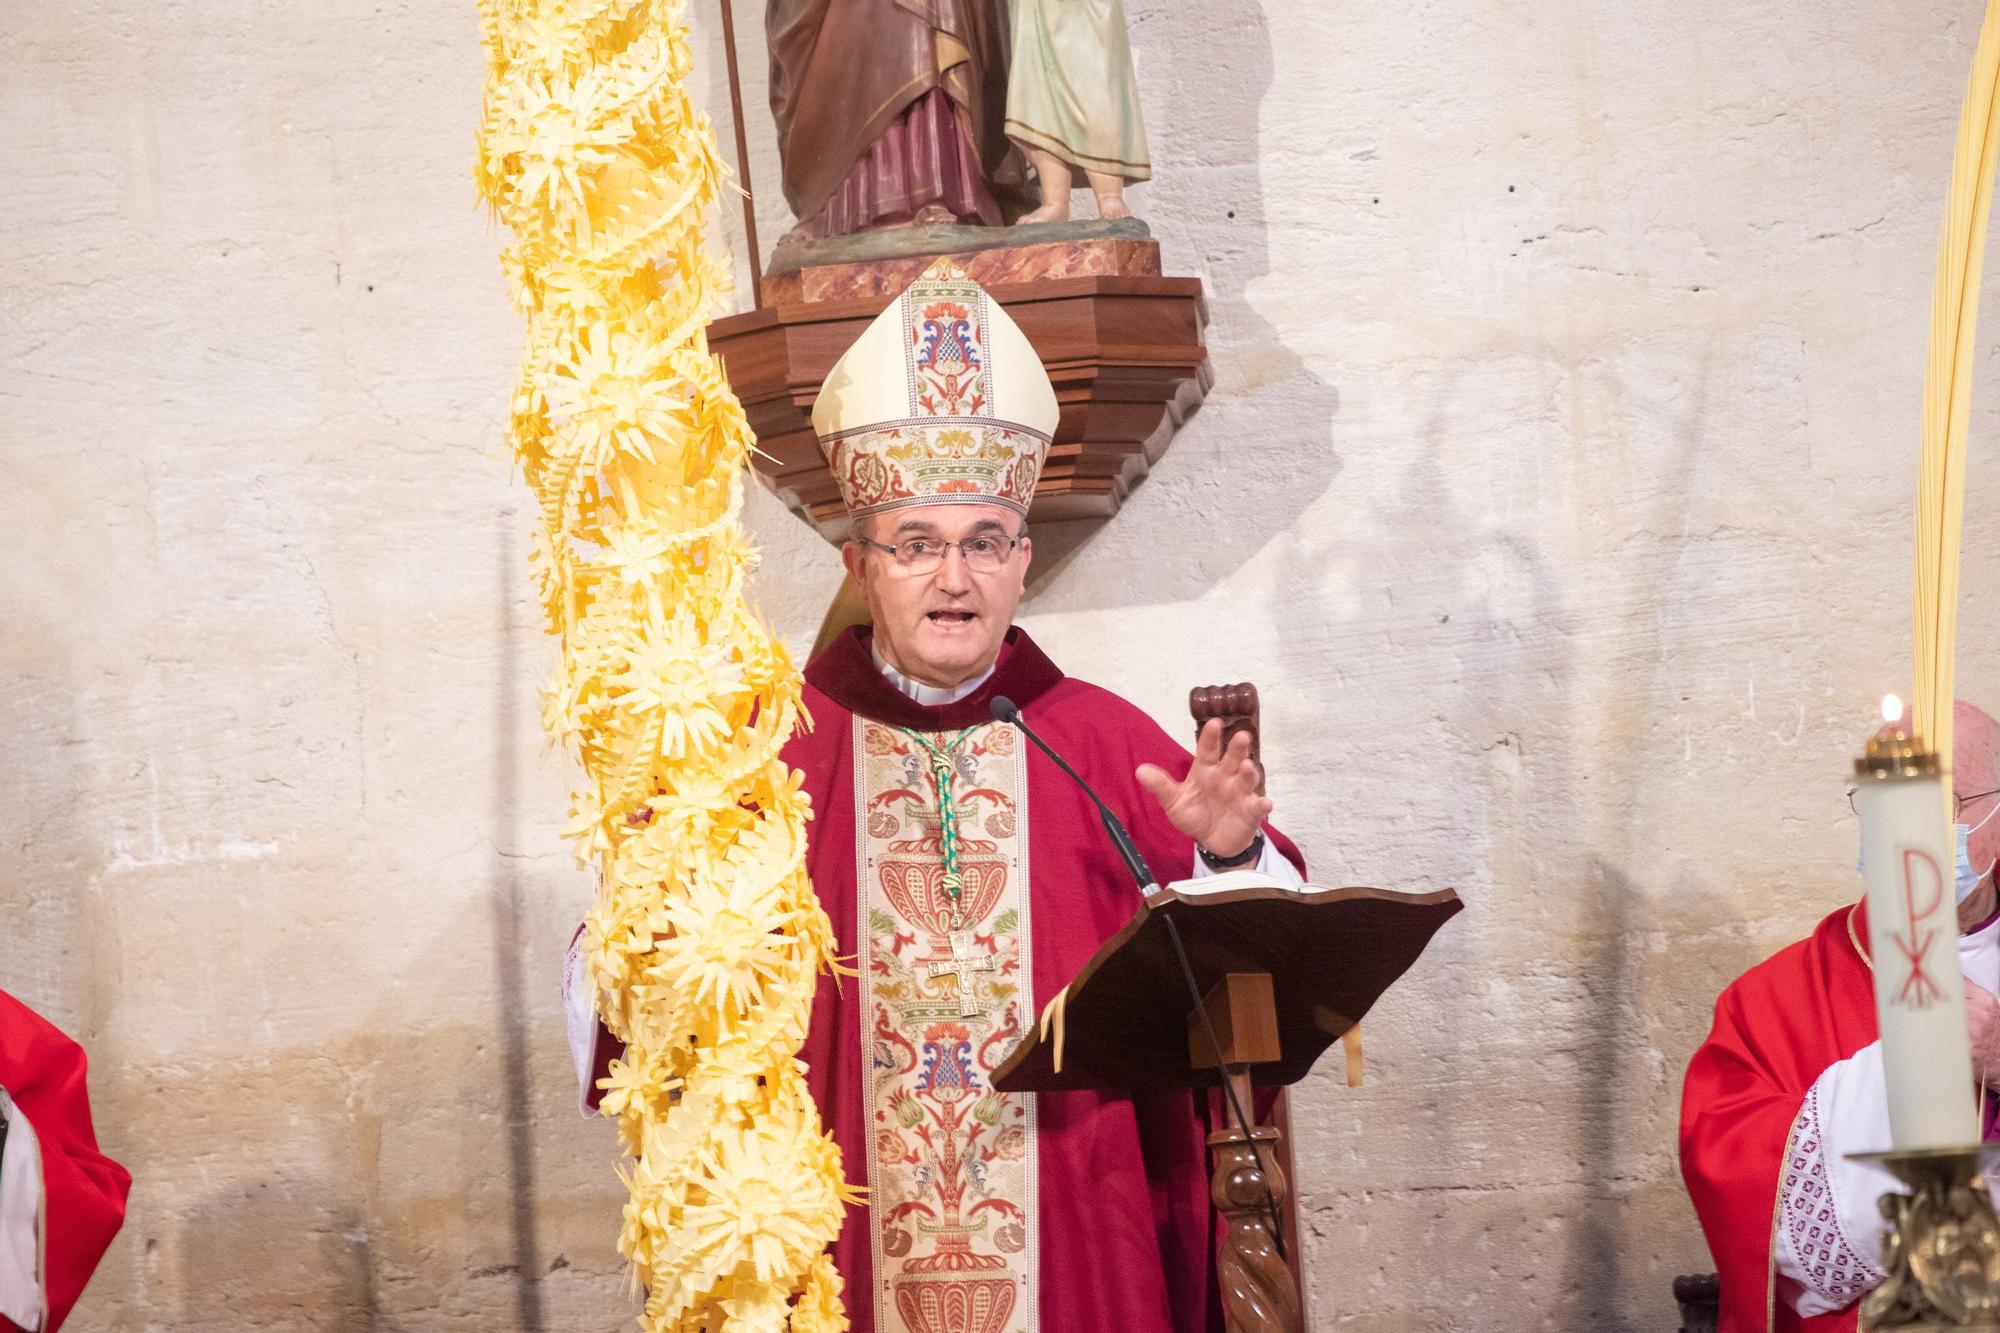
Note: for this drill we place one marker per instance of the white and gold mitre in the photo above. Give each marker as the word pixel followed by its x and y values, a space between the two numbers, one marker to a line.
pixel 941 400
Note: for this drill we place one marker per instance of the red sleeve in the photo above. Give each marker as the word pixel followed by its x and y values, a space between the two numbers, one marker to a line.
pixel 84 1191
pixel 1777 1028
pixel 1736 1120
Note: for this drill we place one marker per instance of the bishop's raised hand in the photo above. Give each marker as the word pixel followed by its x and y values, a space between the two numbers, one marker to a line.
pixel 1217 803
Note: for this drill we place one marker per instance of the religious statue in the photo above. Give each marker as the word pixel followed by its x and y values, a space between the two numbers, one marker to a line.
pixel 1073 104
pixel 890 113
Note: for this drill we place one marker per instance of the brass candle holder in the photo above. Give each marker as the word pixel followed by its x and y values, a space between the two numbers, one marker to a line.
pixel 1895 754
pixel 1941 1253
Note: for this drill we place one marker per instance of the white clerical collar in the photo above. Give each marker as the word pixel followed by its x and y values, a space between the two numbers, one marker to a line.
pixel 930 696
pixel 1979 954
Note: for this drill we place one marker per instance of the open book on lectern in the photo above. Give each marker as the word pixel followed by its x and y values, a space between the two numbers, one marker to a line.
pixel 1224 881
pixel 1122 1021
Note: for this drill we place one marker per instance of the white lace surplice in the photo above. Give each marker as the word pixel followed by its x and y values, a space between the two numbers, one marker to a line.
pixel 1829 1242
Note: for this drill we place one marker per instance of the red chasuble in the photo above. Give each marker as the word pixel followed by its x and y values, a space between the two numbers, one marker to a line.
pixel 1068 1212
pixel 83 1191
pixel 1777 1029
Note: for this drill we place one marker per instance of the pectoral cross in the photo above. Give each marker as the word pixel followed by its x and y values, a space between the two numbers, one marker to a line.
pixel 963 963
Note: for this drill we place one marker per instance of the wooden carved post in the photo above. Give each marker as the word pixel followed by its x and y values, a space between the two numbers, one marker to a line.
pixel 1260 1293
pixel 1262 1287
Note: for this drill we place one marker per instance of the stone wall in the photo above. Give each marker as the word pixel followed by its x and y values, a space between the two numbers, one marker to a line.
pixel 1555 487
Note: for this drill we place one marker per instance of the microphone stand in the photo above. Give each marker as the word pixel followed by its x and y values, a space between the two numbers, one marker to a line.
pixel 1005 711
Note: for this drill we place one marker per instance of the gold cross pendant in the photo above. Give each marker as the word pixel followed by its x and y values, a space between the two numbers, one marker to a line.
pixel 963 963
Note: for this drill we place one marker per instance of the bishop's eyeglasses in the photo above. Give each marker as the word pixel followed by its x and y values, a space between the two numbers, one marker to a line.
pixel 1958 803
pixel 984 552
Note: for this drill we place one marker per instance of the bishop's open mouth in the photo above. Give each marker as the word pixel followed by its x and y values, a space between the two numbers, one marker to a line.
pixel 949 617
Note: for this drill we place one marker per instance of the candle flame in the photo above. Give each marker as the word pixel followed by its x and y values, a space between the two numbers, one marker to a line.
pixel 1892 708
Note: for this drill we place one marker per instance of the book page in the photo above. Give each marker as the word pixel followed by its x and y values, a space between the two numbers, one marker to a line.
pixel 1232 879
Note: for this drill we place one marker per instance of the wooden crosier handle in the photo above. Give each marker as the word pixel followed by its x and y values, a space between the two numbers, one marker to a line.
pixel 1259 1294
pixel 1236 705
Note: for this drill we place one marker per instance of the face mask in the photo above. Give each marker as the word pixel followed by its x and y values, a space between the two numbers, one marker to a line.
pixel 1968 878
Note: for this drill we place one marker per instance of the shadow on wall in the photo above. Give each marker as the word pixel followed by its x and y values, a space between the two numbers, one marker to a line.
pixel 1503 653
pixel 1604 1269
pixel 286 1253
pixel 1570 867
pixel 1267 415
pixel 378 1197
pixel 407 1157
pixel 516 1091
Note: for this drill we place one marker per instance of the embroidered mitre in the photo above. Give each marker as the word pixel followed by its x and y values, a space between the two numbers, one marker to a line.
pixel 941 400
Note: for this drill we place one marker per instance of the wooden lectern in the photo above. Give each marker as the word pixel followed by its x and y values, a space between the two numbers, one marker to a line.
pixel 1283 974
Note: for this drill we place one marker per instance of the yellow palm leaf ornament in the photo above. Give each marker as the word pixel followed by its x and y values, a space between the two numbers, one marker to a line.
pixel 1948 393
pixel 705 942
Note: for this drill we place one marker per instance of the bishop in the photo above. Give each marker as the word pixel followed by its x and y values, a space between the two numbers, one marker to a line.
pixel 970 878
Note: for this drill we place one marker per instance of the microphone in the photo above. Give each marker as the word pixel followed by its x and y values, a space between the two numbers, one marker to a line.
pixel 1005 711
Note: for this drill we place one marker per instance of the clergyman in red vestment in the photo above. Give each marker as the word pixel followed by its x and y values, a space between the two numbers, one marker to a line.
pixel 1789 1083
pixel 61 1200
pixel 970 879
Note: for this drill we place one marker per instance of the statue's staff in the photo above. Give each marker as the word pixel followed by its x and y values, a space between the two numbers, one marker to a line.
pixel 742 159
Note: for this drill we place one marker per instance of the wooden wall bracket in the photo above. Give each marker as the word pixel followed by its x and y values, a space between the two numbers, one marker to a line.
pixel 1124 349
